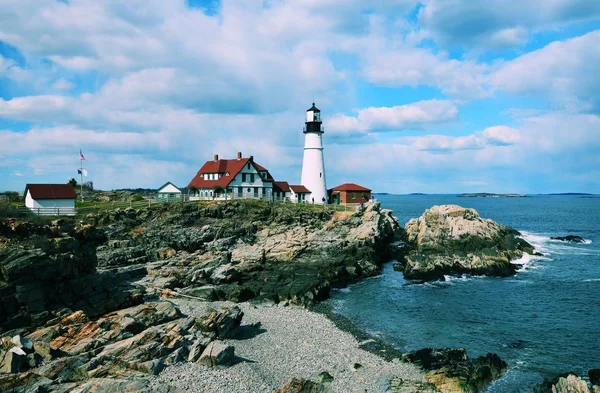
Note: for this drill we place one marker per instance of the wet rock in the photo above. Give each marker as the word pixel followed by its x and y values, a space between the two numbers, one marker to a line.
pixel 594 375
pixel 569 238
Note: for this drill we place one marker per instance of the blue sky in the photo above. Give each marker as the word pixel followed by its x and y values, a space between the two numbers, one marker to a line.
pixel 436 96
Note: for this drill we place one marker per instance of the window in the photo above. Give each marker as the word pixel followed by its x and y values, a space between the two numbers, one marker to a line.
pixel 243 177
pixel 249 189
pixel 240 190
pixel 353 195
pixel 252 178
pixel 320 174
pixel 248 165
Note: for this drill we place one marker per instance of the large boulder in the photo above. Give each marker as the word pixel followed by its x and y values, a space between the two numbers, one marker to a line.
pixel 453 240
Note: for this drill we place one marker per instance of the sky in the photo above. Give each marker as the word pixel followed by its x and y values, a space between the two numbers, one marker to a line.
pixel 433 96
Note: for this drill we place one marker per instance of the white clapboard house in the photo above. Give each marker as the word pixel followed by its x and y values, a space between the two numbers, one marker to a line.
pixel 50 199
pixel 168 191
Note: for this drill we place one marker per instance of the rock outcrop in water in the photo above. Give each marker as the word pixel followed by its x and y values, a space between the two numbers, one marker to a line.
pixel 566 383
pixel 451 370
pixel 569 238
pixel 453 240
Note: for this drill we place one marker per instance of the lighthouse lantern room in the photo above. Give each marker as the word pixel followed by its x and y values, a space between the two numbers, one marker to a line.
pixel 313 165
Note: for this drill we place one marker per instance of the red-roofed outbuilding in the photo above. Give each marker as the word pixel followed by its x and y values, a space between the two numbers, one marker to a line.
pixel 52 199
pixel 349 193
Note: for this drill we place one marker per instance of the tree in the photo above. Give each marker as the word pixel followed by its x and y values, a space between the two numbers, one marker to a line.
pixel 12 196
pixel 73 182
pixel 89 185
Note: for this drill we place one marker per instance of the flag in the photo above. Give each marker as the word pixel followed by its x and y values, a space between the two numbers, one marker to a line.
pixel 81 157
pixel 85 173
pixel 79 171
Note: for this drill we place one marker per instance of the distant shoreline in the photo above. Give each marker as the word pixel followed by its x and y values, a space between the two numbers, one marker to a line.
pixel 490 195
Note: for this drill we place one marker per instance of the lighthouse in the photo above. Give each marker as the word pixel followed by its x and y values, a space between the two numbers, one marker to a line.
pixel 313 165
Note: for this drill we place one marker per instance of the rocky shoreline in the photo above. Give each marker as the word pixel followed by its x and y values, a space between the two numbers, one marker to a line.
pixel 131 300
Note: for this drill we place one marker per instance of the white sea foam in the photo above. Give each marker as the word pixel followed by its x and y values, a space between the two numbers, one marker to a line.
pixel 592 280
pixel 548 246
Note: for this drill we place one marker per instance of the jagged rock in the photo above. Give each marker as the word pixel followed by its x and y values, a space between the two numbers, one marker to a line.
pixel 299 385
pixel 569 238
pixel 451 370
pixel 450 239
pixel 24 383
pixel 13 361
pixel 563 383
pixel 217 354
pixel 21 342
pixel 594 375
pixel 221 323
pixel 570 384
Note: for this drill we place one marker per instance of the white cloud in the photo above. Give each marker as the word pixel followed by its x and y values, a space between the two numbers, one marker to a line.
pixel 63 84
pixel 565 71
pixel 498 24
pixel 418 115
pixel 407 66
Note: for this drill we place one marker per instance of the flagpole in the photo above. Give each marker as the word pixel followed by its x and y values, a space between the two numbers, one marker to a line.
pixel 81 173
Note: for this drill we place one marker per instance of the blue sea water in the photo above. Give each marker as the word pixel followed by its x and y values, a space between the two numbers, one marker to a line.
pixel 542 321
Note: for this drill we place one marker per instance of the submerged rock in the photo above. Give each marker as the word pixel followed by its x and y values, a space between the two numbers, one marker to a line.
pixel 569 238
pixel 452 240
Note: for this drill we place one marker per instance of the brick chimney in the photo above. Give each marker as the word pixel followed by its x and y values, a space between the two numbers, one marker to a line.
pixel 239 157
pixel 216 157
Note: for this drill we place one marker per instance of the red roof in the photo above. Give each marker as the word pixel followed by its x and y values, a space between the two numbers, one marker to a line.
pixel 298 189
pixel 228 169
pixel 350 187
pixel 281 186
pixel 51 191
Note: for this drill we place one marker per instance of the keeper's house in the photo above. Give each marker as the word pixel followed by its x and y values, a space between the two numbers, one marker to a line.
pixel 50 199
pixel 349 193
pixel 239 178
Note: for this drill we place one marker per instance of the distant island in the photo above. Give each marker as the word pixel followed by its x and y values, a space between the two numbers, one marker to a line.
pixel 417 193
pixel 490 195
pixel 572 193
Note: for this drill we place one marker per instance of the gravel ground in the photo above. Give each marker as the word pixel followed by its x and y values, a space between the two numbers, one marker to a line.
pixel 292 342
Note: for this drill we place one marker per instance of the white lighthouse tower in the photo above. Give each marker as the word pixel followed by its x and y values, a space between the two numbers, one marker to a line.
pixel 313 165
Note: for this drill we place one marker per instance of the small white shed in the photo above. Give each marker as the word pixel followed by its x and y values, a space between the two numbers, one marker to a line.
pixel 168 191
pixel 51 199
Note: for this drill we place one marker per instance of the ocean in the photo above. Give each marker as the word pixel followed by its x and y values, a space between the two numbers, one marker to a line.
pixel 542 321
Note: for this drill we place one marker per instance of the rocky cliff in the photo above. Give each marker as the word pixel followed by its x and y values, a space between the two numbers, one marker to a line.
pixel 244 250
pixel 451 240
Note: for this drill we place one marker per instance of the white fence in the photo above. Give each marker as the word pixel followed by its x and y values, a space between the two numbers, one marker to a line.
pixel 48 211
